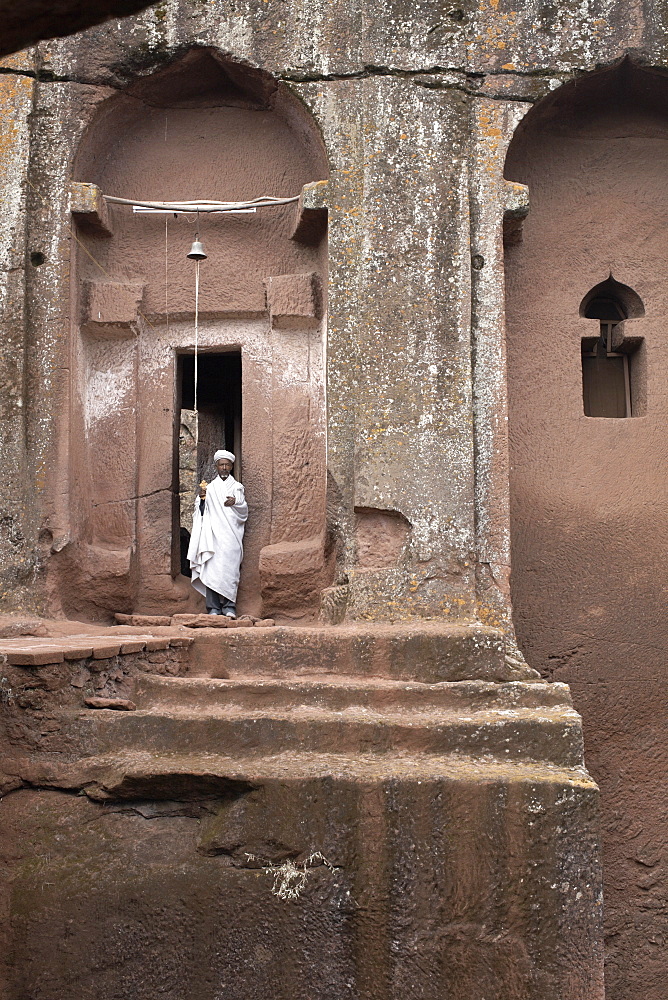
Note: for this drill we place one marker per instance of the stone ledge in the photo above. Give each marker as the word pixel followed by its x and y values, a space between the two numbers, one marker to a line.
pixel 312 213
pixel 117 704
pixel 552 735
pixel 35 652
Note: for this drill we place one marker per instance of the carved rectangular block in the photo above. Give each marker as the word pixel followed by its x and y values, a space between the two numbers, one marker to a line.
pixel 312 211
pixel 89 208
pixel 111 308
pixel 294 300
pixel 291 571
pixel 35 656
pixel 515 211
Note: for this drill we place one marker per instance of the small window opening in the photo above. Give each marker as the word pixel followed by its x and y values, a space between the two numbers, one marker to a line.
pixel 219 406
pixel 606 373
pixel 613 378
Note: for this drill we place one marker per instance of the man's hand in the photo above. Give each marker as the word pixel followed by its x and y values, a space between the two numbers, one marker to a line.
pixel 202 489
pixel 230 501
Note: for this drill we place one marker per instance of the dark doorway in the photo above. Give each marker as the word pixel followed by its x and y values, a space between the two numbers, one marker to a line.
pixel 218 426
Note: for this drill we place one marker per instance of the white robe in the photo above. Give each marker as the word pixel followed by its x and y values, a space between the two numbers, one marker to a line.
pixel 216 550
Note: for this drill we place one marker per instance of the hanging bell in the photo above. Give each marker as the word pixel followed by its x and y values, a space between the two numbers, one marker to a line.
pixel 197 251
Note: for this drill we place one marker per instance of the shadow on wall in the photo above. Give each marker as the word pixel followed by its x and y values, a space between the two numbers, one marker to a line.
pixel 33 20
pixel 587 296
pixel 202 128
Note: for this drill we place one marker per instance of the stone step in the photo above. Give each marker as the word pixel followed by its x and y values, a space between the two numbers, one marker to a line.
pixel 551 734
pixel 424 651
pixel 154 776
pixel 341 692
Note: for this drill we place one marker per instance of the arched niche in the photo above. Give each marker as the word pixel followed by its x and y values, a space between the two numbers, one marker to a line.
pixel 204 127
pixel 626 303
pixel 589 497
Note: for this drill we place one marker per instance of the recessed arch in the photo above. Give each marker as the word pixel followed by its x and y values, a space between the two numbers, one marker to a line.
pixel 589 517
pixel 204 126
pixel 621 298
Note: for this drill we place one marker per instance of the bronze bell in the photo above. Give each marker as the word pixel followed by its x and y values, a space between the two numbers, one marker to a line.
pixel 197 251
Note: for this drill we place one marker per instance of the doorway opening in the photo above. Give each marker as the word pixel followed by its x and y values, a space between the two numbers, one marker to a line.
pixel 219 407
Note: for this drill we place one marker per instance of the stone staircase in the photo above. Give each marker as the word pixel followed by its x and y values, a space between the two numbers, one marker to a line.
pixel 246 717
pixel 425 771
pixel 307 698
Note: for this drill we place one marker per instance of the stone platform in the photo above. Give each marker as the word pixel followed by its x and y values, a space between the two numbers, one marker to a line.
pixel 437 786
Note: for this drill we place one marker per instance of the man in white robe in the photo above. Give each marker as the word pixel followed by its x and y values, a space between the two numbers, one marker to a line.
pixel 216 542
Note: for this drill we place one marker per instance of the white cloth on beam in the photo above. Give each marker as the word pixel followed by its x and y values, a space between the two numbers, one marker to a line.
pixel 216 542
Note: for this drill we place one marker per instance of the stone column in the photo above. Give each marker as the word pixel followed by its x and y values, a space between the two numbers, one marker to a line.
pixel 293 567
pixel 400 444
pixel 492 126
pixel 55 415
pixel 17 554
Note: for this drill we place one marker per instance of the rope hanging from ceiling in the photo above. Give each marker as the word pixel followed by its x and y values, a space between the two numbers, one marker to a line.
pixel 197 252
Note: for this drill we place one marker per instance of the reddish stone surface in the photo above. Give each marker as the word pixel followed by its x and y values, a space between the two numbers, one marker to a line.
pixel 155 644
pixel 118 704
pixel 133 647
pixel 102 651
pixel 38 655
pixel 12 627
pixel 77 652
pixel 588 502
pixel 385 792
pixel 221 621
pixel 143 621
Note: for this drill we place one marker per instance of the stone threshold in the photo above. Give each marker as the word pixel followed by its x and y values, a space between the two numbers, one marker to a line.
pixel 193 621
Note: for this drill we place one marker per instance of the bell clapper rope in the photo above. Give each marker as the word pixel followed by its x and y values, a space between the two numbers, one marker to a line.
pixel 197 254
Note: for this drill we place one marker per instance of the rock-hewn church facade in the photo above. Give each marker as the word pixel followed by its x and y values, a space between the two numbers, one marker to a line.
pixel 438 359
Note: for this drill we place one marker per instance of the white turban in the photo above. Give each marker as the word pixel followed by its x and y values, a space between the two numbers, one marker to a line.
pixel 223 454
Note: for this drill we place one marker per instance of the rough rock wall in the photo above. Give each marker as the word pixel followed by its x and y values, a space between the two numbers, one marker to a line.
pixel 158 897
pixel 588 495
pixel 420 101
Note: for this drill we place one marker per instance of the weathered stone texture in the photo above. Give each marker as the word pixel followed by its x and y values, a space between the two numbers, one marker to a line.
pixel 170 890
pixel 416 105
pixel 398 349
pixel 401 324
pixel 453 823
pixel 17 553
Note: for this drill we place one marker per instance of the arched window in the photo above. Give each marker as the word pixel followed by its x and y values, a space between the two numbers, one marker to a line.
pixel 608 369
